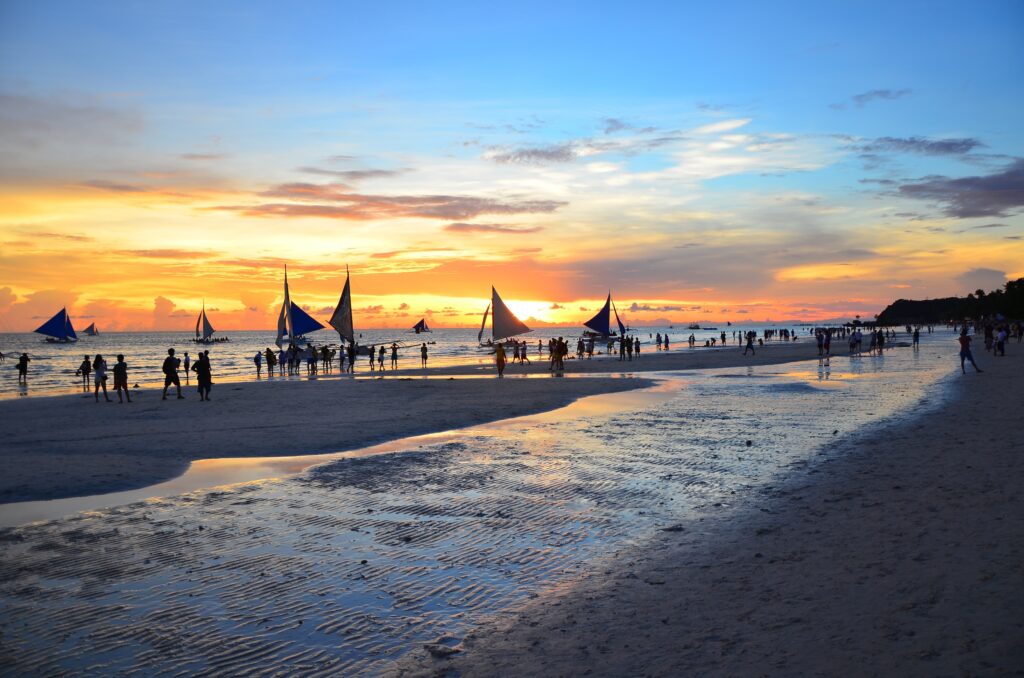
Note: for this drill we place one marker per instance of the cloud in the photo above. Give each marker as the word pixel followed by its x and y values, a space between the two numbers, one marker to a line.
pixel 352 175
pixel 990 226
pixel 461 227
pixel 723 126
pixel 7 298
pixel 981 278
pixel 994 195
pixel 613 125
pixel 202 156
pixel 113 186
pixel 169 253
pixel 363 207
pixel 864 98
pixel 371 310
pixel 403 307
pixel 635 307
pixel 555 307
pixel 29 121
pixel 538 155
pixel 922 145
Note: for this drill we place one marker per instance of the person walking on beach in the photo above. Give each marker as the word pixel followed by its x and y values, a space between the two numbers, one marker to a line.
pixel 188 362
pixel 499 359
pixel 965 351
pixel 85 369
pixel 423 355
pixel 99 371
pixel 121 378
pixel 170 370
pixel 258 359
pixel 204 375
pixel 750 344
pixel 523 358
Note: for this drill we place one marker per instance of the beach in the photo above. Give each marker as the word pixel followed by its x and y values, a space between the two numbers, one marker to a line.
pixel 105 447
pixel 898 555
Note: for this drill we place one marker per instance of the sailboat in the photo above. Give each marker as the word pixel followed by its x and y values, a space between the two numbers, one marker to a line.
pixel 504 323
pixel 293 323
pixel 421 326
pixel 341 319
pixel 206 336
pixel 600 326
pixel 58 329
pixel 91 330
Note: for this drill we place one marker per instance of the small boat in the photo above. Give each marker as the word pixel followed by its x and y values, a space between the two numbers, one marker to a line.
pixel 694 326
pixel 600 326
pixel 421 326
pixel 91 330
pixel 293 323
pixel 58 329
pixel 206 336
pixel 504 323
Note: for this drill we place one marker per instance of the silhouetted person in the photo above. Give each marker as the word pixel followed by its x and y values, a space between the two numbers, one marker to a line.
pixel 121 378
pixel 85 369
pixel 204 377
pixel 188 360
pixel 499 359
pixel 258 360
pixel 99 371
pixel 170 370
pixel 423 355
pixel 965 352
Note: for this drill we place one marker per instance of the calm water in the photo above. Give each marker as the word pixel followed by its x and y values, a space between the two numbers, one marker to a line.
pixel 52 370
pixel 343 568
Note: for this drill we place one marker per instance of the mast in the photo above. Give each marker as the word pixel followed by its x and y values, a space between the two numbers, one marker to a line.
pixel 284 319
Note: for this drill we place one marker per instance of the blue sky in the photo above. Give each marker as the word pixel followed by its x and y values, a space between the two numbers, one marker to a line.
pixel 738 125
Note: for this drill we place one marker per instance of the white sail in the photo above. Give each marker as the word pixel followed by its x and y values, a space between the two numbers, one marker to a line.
pixel 284 319
pixel 483 323
pixel 341 320
pixel 504 323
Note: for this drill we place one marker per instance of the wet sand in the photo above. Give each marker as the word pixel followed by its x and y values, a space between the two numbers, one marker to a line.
pixel 898 555
pixel 68 446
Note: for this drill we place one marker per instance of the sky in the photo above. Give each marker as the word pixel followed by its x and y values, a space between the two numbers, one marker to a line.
pixel 703 162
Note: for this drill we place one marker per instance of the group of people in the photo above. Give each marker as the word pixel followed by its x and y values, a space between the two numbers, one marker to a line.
pixel 290 359
pixel 98 368
pixel 202 368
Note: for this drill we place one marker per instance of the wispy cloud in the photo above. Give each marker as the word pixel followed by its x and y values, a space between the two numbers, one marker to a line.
pixel 462 227
pixel 995 195
pixel 202 156
pixel 353 175
pixel 333 201
pixel 565 152
pixel 722 126
pixel 921 145
pixel 113 186
pixel 864 98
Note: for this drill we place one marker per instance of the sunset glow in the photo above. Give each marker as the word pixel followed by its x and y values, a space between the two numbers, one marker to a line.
pixel 437 155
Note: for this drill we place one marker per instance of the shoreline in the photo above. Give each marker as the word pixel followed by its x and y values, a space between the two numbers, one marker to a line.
pixel 103 448
pixel 899 553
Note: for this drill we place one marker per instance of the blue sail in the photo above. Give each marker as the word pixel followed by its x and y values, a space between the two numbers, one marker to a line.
pixel 59 327
pixel 601 323
pixel 302 322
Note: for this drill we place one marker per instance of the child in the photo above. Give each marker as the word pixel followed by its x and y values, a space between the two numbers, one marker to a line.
pixel 121 378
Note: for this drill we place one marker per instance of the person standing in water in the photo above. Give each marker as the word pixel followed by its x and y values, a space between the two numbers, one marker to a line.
pixel 258 359
pixel 121 378
pixel 23 368
pixel 499 359
pixel 99 371
pixel 423 355
pixel 170 370
pixel 394 356
pixel 188 361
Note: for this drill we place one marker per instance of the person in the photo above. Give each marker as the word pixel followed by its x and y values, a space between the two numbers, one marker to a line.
pixel 99 371
pixel 380 358
pixel 352 357
pixel 373 357
pixel 423 355
pixel 636 346
pixel 750 344
pixel 917 337
pixel 170 370
pixel 258 359
pixel 394 356
pixel 204 376
pixel 965 351
pixel 271 362
pixel 666 341
pixel 629 347
pixel 820 337
pixel 499 359
pixel 622 349
pixel 188 361
pixel 121 378
pixel 23 368
pixel 84 369
pixel 1001 336
pixel 522 354
pixel 828 341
